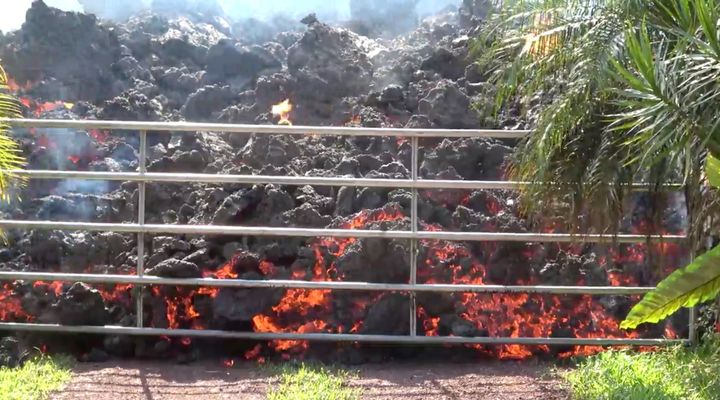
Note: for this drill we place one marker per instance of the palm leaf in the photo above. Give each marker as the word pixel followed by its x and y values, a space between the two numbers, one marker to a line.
pixel 712 170
pixel 11 157
pixel 696 283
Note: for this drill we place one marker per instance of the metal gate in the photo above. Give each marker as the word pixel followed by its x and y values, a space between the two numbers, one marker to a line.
pixel 142 177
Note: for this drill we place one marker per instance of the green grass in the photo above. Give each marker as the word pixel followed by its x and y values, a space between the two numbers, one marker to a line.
pixel 674 373
pixel 35 379
pixel 312 382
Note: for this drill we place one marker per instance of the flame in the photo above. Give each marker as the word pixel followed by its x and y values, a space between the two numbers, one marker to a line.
pixel 283 110
pixel 227 271
pixel 38 108
pixel 15 87
pixel 228 363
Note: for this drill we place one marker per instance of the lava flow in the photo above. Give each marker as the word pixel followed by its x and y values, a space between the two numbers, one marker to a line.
pixel 370 73
pixel 527 315
pixel 316 311
pixel 36 108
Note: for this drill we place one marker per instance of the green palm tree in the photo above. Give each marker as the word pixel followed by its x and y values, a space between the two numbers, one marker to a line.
pixel 10 153
pixel 628 91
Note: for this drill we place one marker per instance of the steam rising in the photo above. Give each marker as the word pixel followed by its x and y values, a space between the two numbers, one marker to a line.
pixel 14 13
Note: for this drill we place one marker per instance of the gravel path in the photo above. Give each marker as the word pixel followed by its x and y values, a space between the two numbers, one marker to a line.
pixel 133 380
pixel 483 380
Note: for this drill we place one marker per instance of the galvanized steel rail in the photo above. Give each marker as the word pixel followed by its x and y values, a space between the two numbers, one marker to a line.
pixel 142 177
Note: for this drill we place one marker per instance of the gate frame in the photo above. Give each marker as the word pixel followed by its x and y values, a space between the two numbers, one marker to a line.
pixel 142 177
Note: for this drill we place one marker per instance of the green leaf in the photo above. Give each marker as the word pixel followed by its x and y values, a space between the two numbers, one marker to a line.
pixel 712 170
pixel 696 283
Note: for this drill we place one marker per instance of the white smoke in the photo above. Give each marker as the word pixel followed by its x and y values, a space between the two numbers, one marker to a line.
pixel 264 10
pixel 13 14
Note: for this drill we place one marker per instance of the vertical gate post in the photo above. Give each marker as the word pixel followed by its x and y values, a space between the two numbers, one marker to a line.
pixel 413 241
pixel 692 325
pixel 142 155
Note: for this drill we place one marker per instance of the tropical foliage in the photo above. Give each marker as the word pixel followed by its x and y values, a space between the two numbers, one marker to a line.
pixel 10 154
pixel 623 91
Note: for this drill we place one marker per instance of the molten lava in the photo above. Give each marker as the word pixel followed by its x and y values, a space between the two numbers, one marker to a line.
pixel 10 307
pixel 324 311
pixel 36 108
pixel 283 110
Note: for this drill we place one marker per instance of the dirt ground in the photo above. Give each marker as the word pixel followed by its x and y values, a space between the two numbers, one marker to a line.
pixel 134 380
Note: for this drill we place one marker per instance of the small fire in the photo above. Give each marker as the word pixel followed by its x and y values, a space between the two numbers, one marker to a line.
pixel 283 110
pixel 228 363
pixel 38 108
pixel 100 136
pixel 35 107
pixel 15 87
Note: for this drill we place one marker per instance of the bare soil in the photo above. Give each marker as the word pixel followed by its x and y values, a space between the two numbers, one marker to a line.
pixel 142 380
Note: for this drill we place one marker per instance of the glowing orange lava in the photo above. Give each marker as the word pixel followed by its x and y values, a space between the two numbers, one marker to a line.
pixel 305 311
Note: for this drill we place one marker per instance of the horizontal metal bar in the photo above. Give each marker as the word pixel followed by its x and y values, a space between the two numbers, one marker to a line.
pixel 294 284
pixel 166 177
pixel 332 337
pixel 151 177
pixel 341 233
pixel 263 129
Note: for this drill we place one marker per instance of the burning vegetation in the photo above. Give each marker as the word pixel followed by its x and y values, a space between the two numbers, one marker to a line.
pixel 283 111
pixel 188 68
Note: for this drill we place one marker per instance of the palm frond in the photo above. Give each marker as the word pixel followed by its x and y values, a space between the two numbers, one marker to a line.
pixel 696 283
pixel 11 157
pixel 561 54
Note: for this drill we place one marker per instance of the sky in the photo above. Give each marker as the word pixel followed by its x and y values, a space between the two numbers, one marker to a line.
pixel 13 14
